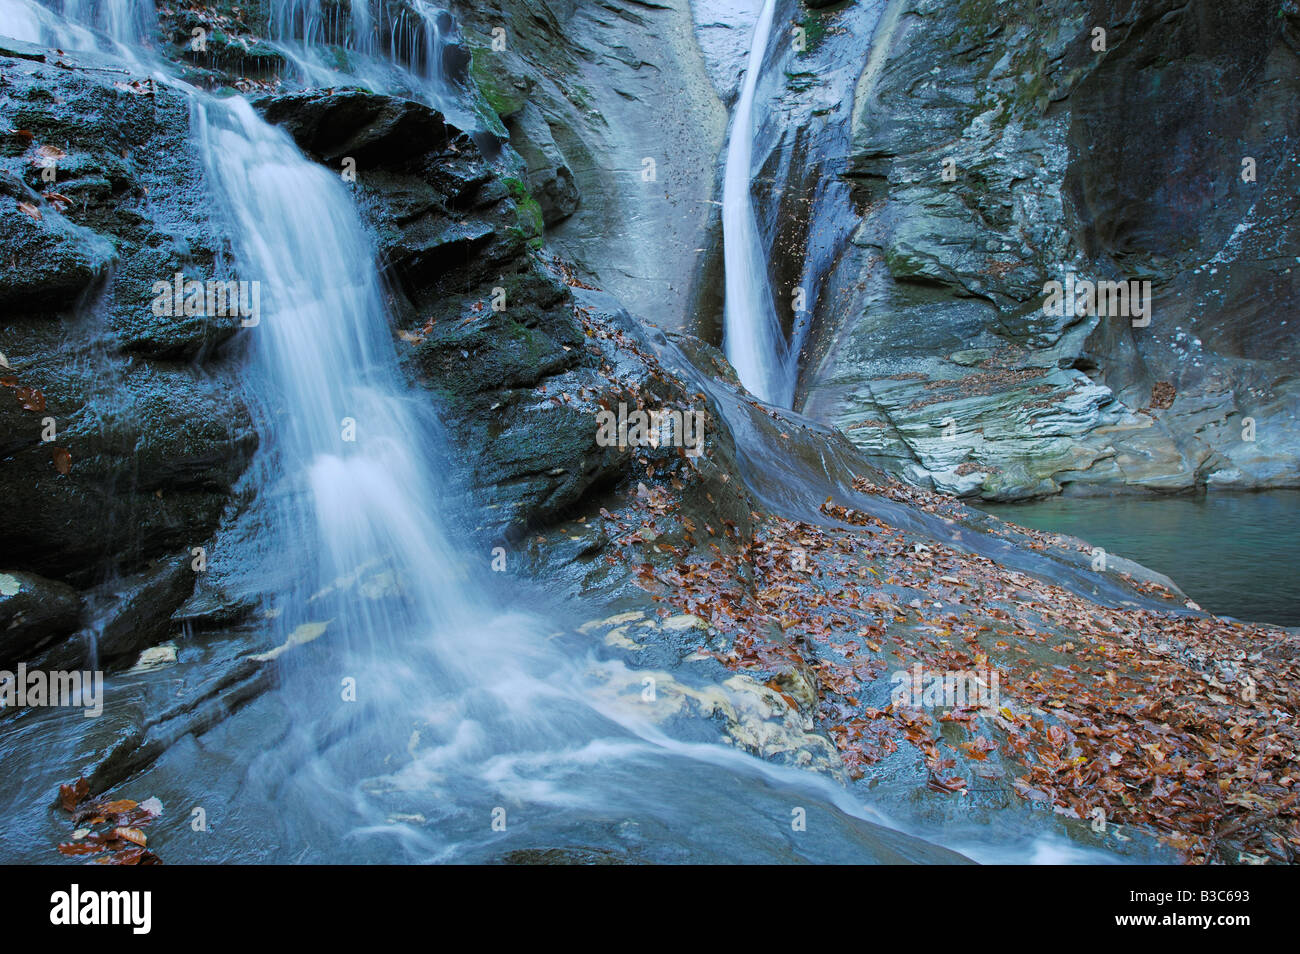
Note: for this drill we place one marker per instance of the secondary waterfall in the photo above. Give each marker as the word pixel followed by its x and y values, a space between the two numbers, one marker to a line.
pixel 752 337
pixel 461 713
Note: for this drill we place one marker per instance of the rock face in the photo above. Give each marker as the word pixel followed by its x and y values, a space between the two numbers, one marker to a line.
pixel 121 431
pixel 776 585
pixel 612 109
pixel 991 149
pixel 33 611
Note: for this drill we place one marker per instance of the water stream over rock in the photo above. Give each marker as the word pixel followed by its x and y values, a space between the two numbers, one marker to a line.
pixel 752 336
pixel 433 615
pixel 412 715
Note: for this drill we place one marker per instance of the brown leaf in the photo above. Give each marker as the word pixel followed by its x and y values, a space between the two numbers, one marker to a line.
pixel 133 835
pixel 30 398
pixel 28 209
pixel 70 796
pixel 62 460
pixel 80 848
pixel 117 807
pixel 130 856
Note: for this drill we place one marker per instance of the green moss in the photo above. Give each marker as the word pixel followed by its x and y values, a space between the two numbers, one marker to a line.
pixel 798 82
pixel 976 15
pixel 528 212
pixel 814 28
pixel 504 99
pixel 581 97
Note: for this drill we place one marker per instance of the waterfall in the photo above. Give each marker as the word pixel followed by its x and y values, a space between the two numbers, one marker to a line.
pixel 461 709
pixel 752 337
pixel 410 34
pixel 120 27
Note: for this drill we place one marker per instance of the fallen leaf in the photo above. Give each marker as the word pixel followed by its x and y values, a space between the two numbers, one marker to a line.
pixel 72 795
pixel 80 848
pixel 133 835
pixel 115 808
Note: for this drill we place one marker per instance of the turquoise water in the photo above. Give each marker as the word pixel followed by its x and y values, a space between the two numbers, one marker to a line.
pixel 1234 554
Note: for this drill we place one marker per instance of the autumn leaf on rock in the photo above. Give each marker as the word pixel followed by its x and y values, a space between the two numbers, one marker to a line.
pixel 30 398
pixel 74 848
pixel 133 835
pixel 62 460
pixel 70 796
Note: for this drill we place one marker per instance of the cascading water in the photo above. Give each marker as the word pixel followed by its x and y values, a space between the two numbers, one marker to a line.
pixel 411 34
pixel 461 711
pixel 117 26
pixel 752 337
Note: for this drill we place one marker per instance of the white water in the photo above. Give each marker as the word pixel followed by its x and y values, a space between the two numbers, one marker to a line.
pixel 411 35
pixel 461 709
pixel 117 26
pixel 752 337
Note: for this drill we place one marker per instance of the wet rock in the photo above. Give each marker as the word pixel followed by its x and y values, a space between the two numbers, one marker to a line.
pixel 121 430
pixel 549 177
pixel 373 129
pixel 568 856
pixel 754 717
pixel 135 612
pixel 60 260
pixel 1056 167
pixel 222 38
pixel 641 148
pixel 33 611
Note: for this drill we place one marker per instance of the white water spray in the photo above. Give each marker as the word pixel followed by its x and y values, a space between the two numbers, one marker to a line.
pixel 752 337
pixel 412 35
pixel 461 710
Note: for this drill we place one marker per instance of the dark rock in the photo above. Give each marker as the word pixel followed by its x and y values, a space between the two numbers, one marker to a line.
pixel 373 129
pixel 135 612
pixel 33 611
pixel 112 454
pixel 50 262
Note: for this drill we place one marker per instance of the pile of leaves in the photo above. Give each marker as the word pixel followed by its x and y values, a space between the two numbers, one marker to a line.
pixel 1180 725
pixel 111 830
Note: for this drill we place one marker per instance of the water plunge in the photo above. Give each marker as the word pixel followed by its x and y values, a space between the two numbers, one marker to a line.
pixel 752 336
pixel 457 711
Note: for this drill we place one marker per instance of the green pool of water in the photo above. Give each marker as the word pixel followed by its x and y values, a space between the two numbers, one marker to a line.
pixel 1234 554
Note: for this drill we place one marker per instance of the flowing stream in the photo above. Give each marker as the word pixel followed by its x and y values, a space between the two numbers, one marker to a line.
pixel 465 715
pixel 375 36
pixel 752 336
